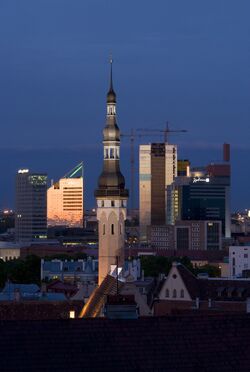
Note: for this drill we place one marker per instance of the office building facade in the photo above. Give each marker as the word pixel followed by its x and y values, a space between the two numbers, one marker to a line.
pixel 65 200
pixel 187 235
pixel 31 206
pixel 157 168
pixel 205 195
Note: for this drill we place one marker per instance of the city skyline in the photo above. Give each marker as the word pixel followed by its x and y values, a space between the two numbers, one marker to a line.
pixel 189 67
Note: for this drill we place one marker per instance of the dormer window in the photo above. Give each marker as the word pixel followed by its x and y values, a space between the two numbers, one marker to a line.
pixel 167 293
pixel 182 293
pixel 174 293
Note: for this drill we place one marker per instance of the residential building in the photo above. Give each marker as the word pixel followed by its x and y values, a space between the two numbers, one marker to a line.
pixel 239 261
pixel 31 206
pixel 158 168
pixel 181 290
pixel 70 270
pixel 65 200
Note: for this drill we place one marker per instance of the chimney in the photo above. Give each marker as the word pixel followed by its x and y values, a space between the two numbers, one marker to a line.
pixel 226 152
pixel 197 303
pixel 43 289
pixel 121 307
pixel 17 295
pixel 209 303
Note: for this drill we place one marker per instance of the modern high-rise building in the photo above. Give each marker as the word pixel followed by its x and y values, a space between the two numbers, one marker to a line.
pixel 31 206
pixel 205 195
pixel 65 201
pixel 111 195
pixel 158 168
pixel 183 168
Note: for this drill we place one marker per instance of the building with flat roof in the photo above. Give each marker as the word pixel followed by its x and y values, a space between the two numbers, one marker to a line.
pixel 65 199
pixel 239 261
pixel 31 206
pixel 158 168
pixel 205 195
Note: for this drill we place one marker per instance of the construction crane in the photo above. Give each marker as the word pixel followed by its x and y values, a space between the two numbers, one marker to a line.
pixel 165 131
pixel 132 135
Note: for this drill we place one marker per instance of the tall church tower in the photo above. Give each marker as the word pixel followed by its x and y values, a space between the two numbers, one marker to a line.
pixel 111 194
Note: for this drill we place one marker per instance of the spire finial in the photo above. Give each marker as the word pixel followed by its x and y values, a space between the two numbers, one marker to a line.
pixel 111 73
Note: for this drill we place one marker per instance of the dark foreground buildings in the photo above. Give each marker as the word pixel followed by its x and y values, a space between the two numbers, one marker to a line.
pixel 172 344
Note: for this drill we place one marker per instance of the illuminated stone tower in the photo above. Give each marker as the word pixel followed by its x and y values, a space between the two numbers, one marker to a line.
pixel 111 194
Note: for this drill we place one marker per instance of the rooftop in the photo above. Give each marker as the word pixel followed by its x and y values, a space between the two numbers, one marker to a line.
pixel 173 344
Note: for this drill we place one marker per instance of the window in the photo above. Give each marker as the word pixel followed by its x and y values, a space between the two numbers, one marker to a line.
pixel 103 229
pixel 167 293
pixel 233 261
pixel 174 293
pixel 112 229
pixel 112 153
pixel 245 255
pixel 112 203
pixel 106 153
pixel 120 229
pixel 72 314
pixel 182 293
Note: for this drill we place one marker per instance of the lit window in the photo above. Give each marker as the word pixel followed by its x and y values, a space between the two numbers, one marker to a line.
pixel 72 314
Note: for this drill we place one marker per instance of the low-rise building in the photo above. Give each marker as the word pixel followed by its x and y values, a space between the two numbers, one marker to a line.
pixel 70 270
pixel 239 261
pixel 181 290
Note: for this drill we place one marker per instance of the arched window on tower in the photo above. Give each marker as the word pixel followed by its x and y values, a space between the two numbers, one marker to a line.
pixel 117 153
pixel 112 153
pixel 112 229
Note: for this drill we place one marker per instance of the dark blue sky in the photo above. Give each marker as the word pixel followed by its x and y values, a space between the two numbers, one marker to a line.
pixel 183 61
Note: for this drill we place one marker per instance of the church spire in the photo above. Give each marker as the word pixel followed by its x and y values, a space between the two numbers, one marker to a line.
pixel 111 75
pixel 111 96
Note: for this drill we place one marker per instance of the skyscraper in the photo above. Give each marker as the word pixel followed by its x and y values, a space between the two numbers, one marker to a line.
pixel 65 200
pixel 31 206
pixel 158 168
pixel 205 195
pixel 111 194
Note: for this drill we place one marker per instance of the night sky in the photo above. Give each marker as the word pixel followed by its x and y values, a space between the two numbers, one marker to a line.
pixel 187 62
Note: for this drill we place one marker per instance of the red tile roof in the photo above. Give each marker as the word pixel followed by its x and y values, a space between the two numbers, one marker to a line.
pixel 171 344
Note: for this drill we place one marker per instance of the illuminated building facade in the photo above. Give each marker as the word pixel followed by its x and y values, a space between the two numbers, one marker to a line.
pixel 31 206
pixel 65 200
pixel 157 168
pixel 111 195
pixel 187 235
pixel 205 195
